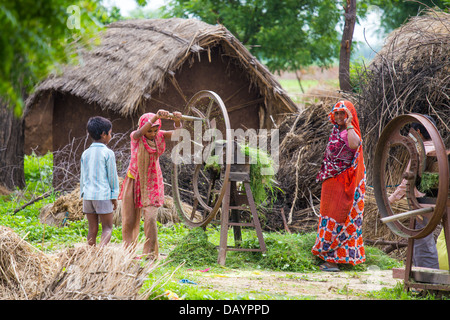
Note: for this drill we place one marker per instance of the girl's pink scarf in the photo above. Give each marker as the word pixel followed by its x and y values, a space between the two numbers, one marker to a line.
pixel 145 151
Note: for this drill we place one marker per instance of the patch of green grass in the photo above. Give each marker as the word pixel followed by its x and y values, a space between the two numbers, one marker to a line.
pixel 292 85
pixel 400 293
pixel 197 250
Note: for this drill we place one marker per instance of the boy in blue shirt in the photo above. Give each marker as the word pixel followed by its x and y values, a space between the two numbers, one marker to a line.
pixel 99 183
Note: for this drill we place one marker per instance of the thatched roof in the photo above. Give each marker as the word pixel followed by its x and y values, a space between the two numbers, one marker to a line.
pixel 428 34
pixel 135 57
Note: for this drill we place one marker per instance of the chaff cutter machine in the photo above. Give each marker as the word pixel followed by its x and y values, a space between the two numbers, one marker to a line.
pixel 402 157
pixel 205 160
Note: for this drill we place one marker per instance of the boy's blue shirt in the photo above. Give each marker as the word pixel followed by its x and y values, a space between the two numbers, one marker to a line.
pixel 99 180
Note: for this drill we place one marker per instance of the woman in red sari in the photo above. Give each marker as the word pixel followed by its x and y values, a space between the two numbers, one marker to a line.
pixel 339 236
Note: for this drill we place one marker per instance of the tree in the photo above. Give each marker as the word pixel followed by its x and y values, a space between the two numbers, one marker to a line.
pixel 397 12
pixel 284 34
pixel 346 45
pixel 37 37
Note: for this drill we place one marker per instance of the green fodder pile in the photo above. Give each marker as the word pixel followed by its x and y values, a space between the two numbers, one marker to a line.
pixel 262 173
pixel 194 250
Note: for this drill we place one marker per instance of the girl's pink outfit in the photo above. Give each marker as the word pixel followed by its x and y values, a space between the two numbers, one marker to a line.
pixel 153 194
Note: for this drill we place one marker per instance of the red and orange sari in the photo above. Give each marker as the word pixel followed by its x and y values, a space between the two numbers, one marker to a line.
pixel 339 236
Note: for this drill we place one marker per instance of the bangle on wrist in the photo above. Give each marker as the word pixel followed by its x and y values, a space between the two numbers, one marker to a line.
pixel 350 127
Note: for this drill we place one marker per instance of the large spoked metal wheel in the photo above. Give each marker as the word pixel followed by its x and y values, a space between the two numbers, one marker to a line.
pixel 400 158
pixel 202 159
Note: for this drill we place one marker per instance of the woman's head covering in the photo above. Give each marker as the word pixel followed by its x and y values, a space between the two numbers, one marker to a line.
pixel 146 117
pixel 342 106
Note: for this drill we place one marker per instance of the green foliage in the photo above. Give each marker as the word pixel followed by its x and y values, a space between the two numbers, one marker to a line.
pixel 39 172
pixel 285 35
pixel 397 12
pixel 429 181
pixel 38 36
pixel 377 257
pixel 399 293
pixel 285 252
pixel 357 73
pixel 261 174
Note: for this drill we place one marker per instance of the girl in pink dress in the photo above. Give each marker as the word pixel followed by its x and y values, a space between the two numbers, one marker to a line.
pixel 143 187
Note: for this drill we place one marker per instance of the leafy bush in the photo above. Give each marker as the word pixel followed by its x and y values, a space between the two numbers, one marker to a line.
pixel 38 172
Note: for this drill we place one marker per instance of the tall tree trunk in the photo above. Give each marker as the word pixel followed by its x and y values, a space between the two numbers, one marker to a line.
pixel 11 148
pixel 346 44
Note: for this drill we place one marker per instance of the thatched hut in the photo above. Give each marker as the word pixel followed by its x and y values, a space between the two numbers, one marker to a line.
pixel 144 65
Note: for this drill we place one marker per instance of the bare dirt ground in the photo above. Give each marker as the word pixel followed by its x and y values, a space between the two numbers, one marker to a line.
pixel 312 285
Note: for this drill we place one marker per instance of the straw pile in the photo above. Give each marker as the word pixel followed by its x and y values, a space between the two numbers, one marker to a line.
pixel 68 206
pixel 85 272
pixel 99 273
pixel 24 270
pixel 409 74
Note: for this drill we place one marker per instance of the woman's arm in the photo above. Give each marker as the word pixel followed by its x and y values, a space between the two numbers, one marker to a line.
pixel 177 125
pixel 140 132
pixel 353 138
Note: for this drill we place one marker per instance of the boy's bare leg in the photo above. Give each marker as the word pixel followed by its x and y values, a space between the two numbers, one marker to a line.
pixel 107 226
pixel 92 219
pixel 151 247
pixel 130 215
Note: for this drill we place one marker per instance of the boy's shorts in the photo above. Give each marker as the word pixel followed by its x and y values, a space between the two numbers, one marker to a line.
pixel 97 206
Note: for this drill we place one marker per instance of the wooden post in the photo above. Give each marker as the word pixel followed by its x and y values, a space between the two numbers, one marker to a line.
pixel 230 203
pixel 224 227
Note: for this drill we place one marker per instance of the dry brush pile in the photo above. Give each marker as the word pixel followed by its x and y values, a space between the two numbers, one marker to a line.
pixel 303 139
pixel 94 273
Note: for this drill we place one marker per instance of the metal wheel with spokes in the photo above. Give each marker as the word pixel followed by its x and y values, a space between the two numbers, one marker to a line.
pixel 400 158
pixel 202 160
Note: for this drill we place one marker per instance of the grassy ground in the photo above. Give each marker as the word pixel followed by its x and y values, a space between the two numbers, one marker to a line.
pixel 312 80
pixel 190 269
